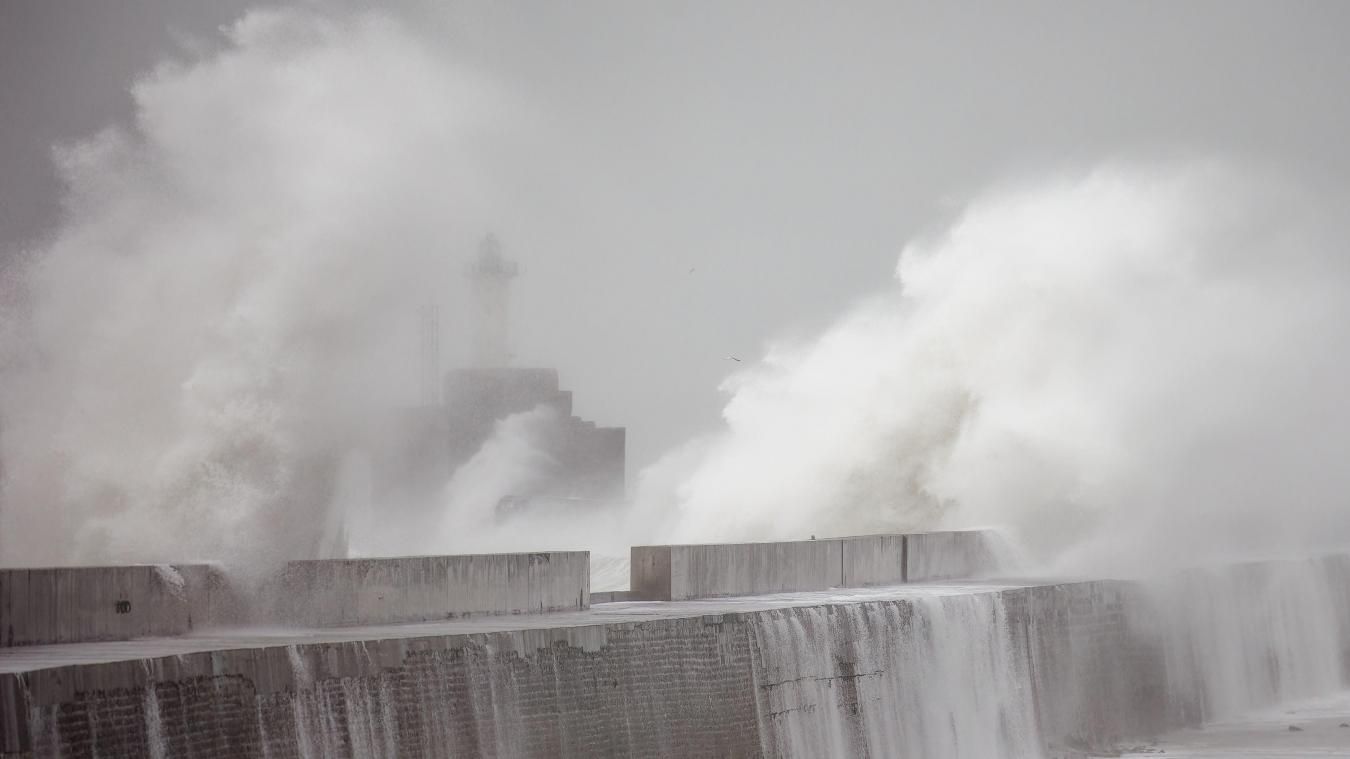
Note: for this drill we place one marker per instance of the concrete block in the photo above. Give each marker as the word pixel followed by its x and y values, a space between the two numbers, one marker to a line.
pixel 649 573
pixel 680 572
pixel 79 604
pixel 874 560
pixel 343 592
pixel 552 582
pixel 710 571
pixel 953 555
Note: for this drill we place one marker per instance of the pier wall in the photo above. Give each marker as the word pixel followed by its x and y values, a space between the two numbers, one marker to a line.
pixel 680 572
pixel 77 604
pixel 345 592
pixel 711 685
pixel 87 604
pixel 1053 670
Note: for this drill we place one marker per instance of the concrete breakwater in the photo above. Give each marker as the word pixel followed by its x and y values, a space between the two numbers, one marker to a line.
pixel 984 669
pixel 951 671
pixel 74 604
pixel 714 570
pixel 80 604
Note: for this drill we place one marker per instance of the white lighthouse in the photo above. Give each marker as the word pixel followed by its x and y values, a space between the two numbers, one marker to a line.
pixel 491 274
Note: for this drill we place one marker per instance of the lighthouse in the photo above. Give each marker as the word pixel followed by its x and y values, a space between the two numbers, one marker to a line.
pixel 491 274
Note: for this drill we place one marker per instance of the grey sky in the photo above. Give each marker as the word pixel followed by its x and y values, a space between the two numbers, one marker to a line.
pixel 782 151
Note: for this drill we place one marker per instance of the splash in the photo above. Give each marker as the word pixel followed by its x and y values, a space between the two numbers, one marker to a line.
pixel 191 354
pixel 1136 362
pixel 467 516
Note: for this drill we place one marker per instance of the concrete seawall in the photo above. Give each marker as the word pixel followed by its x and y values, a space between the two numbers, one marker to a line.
pixel 679 572
pixel 972 670
pixel 81 604
pixel 696 682
pixel 72 604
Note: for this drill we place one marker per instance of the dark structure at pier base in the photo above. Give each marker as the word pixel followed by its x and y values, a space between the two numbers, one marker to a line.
pixel 578 462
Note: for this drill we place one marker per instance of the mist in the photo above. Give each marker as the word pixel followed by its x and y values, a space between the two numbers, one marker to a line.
pixel 1131 366
pixel 221 309
pixel 1120 353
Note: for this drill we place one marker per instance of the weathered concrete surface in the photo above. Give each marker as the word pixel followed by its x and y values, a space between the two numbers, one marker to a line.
pixel 677 572
pixel 419 588
pixel 949 555
pixel 735 569
pixel 874 560
pixel 32 658
pixel 630 679
pixel 951 670
pixel 1316 728
pixel 73 604
pixel 76 604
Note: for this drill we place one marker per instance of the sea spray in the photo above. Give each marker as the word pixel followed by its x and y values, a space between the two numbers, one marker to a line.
pixel 154 725
pixel 1133 365
pixel 1243 637
pixel 210 330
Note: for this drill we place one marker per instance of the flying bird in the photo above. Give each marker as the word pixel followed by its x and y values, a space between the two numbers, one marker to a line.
pixel 733 358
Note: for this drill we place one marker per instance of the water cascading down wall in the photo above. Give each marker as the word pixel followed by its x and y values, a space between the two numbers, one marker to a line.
pixel 1016 671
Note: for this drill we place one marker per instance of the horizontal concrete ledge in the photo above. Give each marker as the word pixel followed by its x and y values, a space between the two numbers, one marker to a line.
pixel 680 572
pixel 76 604
pixel 423 588
pixel 112 603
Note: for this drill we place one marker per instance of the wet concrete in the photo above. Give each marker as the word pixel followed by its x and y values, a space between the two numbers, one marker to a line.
pixel 28 658
pixel 1291 731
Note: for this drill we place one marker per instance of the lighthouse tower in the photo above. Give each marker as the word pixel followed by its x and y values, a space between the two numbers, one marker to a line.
pixel 491 274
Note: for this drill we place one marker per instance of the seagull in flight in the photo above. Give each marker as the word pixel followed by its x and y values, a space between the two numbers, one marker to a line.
pixel 733 358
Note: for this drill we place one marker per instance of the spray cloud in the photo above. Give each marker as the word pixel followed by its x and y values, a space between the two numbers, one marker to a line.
pixel 216 320
pixel 1131 365
pixel 1148 354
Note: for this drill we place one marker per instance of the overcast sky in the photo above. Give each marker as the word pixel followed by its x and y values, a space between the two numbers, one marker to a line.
pixel 685 181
